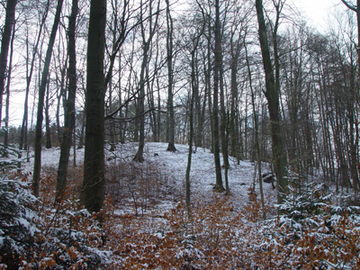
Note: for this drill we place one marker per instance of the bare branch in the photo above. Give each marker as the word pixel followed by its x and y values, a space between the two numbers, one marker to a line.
pixel 352 7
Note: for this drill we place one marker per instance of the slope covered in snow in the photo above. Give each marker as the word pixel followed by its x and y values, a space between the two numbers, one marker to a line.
pixel 173 167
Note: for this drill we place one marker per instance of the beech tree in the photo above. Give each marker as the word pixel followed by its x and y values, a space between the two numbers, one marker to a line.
pixel 192 45
pixel 273 97
pixel 7 102
pixel 93 186
pixel 5 43
pixel 147 35
pixel 69 121
pixel 217 73
pixel 42 88
pixel 170 105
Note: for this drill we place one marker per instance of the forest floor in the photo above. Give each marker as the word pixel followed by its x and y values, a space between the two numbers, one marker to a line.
pixel 171 168
pixel 144 223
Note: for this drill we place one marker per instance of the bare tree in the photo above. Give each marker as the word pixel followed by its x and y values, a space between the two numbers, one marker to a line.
pixel 93 186
pixel 273 96
pixel 193 47
pixel 7 103
pixel 69 121
pixel 170 52
pixel 146 43
pixel 5 43
pixel 42 88
pixel 217 73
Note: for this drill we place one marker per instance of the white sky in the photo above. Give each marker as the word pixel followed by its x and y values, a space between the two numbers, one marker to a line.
pixel 319 11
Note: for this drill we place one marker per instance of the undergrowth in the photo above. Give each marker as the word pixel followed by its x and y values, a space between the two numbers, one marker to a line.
pixel 36 234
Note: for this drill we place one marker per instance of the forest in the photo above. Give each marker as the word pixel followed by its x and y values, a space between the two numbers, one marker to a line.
pixel 205 134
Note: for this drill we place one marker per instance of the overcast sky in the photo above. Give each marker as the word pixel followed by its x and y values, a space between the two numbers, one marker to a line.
pixel 318 11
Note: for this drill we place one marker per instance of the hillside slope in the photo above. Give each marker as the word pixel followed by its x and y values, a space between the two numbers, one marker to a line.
pixel 173 166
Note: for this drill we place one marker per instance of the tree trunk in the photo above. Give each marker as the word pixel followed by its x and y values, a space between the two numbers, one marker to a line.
pixel 217 66
pixel 42 88
pixel 272 96
pixel 170 105
pixel 82 131
pixel 257 141
pixel 69 121
pixel 208 69
pixel 93 187
pixel 191 134
pixel 234 134
pixel 47 117
pixel 5 43
pixel 141 104
pixel 7 103
pixel 224 131
pixel 60 94
pixel 139 157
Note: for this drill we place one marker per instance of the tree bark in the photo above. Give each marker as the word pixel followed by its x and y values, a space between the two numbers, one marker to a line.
pixel 42 88
pixel 272 96
pixel 93 187
pixel 69 121
pixel 5 43
pixel 191 134
pixel 139 156
pixel 234 133
pixel 141 109
pixel 7 103
pixel 217 66
pixel 47 117
pixel 170 105
pixel 257 141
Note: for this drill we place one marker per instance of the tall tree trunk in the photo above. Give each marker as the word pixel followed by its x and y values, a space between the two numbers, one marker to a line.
pixel 234 134
pixel 60 94
pixel 7 103
pixel 272 96
pixel 42 88
pixel 217 66
pixel 141 105
pixel 224 131
pixel 69 121
pixel 47 117
pixel 257 141
pixel 208 69
pixel 93 186
pixel 170 105
pixel 191 133
pixel 82 130
pixel 158 118
pixel 5 43
pixel 139 157
pixel 150 94
pixel 200 104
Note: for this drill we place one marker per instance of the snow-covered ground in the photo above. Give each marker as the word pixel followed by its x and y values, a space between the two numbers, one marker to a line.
pixel 173 166
pixel 216 236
